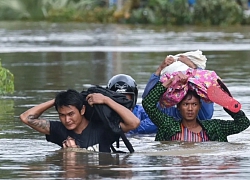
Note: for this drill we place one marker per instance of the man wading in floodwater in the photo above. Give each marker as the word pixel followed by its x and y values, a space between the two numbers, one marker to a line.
pixel 74 129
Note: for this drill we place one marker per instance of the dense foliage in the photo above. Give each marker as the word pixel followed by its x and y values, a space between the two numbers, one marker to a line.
pixel 6 81
pixel 170 12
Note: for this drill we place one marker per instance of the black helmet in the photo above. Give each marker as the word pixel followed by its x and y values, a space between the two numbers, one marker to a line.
pixel 125 84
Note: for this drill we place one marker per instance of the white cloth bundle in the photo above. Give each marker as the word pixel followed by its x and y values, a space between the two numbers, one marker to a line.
pixel 175 66
pixel 195 56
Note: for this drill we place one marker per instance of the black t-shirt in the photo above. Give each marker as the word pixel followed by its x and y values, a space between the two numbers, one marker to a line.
pixel 93 137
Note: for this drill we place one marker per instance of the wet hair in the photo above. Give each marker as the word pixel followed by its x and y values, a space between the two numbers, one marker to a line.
pixel 69 97
pixel 189 96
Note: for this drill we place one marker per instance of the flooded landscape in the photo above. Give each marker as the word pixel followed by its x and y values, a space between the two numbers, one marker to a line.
pixel 46 58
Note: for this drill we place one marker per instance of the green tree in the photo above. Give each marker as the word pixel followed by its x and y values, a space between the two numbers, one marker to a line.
pixel 6 81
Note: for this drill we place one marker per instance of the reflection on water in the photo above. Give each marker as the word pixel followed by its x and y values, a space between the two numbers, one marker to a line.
pixel 169 160
pixel 46 58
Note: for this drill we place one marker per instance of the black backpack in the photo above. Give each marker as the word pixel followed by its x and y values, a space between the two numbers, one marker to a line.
pixel 103 113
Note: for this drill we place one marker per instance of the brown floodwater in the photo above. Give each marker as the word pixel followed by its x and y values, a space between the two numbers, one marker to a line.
pixel 48 57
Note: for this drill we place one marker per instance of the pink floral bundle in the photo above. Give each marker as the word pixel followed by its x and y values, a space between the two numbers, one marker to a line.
pixel 198 80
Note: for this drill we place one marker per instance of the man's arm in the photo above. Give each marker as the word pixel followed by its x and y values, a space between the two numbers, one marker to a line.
pixel 150 84
pixel 154 78
pixel 150 102
pixel 130 120
pixel 31 117
pixel 146 125
pixel 239 124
